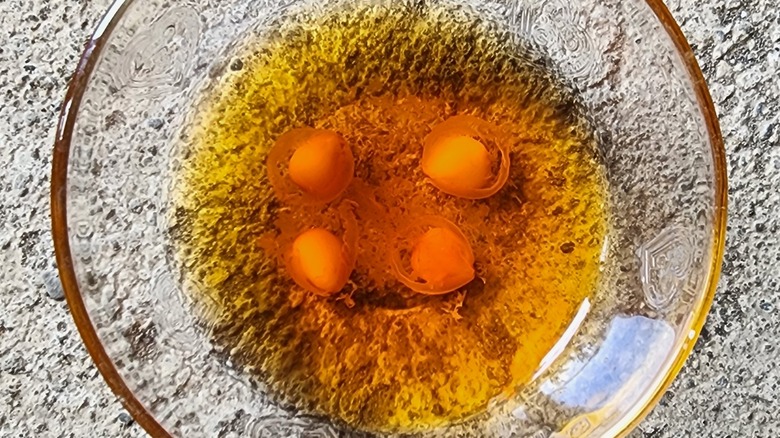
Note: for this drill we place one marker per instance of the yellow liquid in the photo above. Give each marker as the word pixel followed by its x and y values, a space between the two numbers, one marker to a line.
pixel 378 356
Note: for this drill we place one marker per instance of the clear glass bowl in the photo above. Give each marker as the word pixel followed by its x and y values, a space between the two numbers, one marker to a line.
pixel 123 132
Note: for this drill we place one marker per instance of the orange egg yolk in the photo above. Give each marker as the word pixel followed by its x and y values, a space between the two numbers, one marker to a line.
pixel 443 259
pixel 459 162
pixel 322 165
pixel 317 262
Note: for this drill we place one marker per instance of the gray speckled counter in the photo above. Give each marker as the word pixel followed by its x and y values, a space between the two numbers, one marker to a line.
pixel 729 387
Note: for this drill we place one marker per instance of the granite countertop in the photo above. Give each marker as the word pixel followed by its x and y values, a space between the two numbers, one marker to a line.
pixel 728 388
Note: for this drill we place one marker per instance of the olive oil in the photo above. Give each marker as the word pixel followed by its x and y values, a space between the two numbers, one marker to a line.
pixel 379 356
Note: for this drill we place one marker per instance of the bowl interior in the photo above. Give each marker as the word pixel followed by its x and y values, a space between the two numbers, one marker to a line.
pixel 127 131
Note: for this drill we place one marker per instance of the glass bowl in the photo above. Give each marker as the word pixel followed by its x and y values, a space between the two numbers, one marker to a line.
pixel 124 135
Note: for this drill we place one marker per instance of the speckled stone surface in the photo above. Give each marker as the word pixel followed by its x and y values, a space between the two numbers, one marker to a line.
pixel 729 387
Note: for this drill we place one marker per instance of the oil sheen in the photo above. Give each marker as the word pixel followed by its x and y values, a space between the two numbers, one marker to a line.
pixel 378 356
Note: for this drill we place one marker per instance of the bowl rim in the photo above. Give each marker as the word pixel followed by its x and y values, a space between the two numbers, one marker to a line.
pixel 64 133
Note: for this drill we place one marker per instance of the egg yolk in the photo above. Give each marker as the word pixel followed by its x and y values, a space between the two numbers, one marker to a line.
pixel 317 262
pixel 322 165
pixel 443 259
pixel 459 163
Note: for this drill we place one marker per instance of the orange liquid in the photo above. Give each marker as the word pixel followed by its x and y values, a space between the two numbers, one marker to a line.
pixel 379 356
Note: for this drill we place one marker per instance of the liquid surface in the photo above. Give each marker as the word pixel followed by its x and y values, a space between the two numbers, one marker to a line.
pixel 379 356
